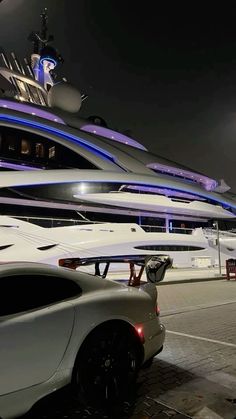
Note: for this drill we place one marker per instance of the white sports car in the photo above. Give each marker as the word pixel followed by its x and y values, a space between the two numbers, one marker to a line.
pixel 59 326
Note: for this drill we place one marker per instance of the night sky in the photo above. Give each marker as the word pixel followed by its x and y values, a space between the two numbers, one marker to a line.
pixel 167 72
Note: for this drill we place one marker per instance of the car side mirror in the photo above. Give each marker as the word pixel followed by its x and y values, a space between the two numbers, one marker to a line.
pixel 156 266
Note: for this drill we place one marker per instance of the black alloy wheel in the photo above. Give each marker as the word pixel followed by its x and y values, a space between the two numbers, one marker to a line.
pixel 107 366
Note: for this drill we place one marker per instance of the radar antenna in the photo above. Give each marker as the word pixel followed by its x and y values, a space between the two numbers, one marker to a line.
pixel 44 27
pixel 45 57
pixel 41 39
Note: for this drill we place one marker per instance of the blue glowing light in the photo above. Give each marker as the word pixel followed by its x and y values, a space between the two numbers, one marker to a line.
pixel 105 155
pixel 49 59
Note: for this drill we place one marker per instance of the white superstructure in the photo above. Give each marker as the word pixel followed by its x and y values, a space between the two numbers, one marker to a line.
pixel 23 241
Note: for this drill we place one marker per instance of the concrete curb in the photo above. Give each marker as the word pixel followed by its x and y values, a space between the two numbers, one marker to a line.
pixel 184 281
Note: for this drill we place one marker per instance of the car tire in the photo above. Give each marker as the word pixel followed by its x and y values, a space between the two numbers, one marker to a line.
pixel 106 368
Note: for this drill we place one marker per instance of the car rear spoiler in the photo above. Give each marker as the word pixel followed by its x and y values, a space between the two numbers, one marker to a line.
pixel 155 266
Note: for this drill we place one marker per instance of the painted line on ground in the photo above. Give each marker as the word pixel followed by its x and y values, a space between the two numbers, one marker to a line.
pixel 219 342
pixel 187 309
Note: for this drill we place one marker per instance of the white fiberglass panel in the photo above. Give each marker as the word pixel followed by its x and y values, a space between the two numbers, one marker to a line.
pixel 146 202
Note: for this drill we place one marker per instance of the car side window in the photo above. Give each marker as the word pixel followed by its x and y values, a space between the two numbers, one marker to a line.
pixel 19 293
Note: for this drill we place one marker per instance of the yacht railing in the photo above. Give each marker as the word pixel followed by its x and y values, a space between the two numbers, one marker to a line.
pixel 59 222
pixel 162 229
pixel 50 222
pixel 53 222
pixel 223 233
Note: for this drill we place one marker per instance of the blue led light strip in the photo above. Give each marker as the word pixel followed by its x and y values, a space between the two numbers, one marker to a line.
pixel 50 59
pixel 84 143
pixel 95 149
pixel 205 195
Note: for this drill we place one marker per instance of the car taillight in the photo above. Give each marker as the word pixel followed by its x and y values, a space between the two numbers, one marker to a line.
pixel 140 333
pixel 71 263
pixel 157 310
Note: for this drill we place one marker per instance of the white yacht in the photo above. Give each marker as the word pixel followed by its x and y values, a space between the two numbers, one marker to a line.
pixel 52 159
pixel 114 242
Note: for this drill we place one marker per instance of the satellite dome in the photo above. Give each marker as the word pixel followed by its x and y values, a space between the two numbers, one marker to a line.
pixel 64 96
pixel 97 120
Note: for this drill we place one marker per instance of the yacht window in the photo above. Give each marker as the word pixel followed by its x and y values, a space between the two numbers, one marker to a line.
pixel 52 152
pixel 25 147
pixel 12 144
pixel 169 248
pixel 39 150
pixel 18 146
